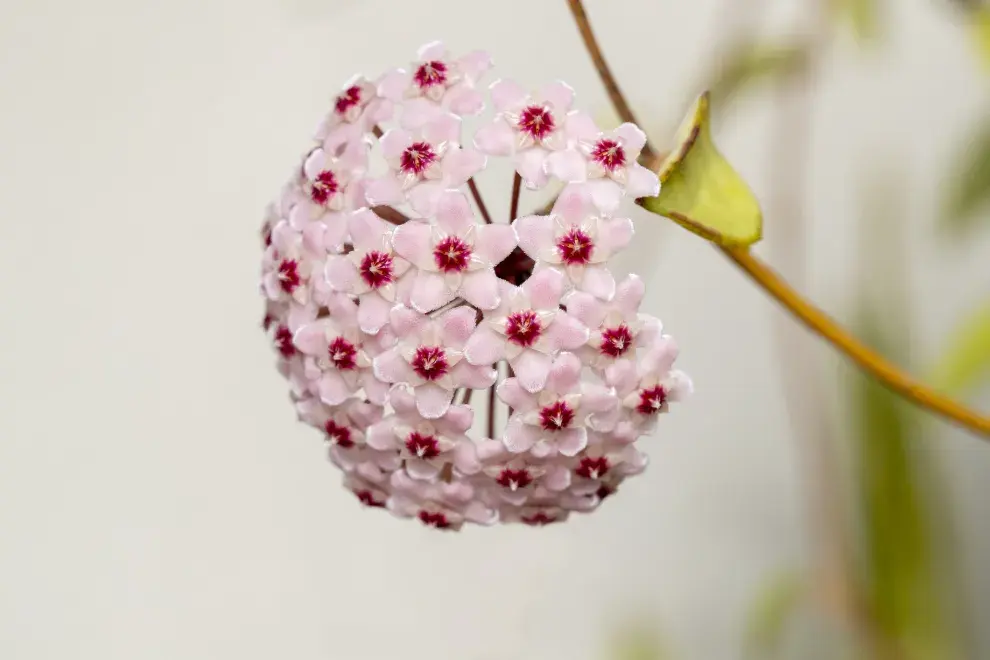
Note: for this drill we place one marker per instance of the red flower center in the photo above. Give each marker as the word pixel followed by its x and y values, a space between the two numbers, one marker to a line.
pixel 536 121
pixel 452 255
pixel 616 341
pixel 592 468
pixel 609 154
pixel 523 328
pixel 556 416
pixel 368 498
pixel 604 491
pixel 430 362
pixel 338 435
pixel 376 269
pixel 342 354
pixel 288 275
pixel 431 519
pixel 651 400
pixel 350 98
pixel 417 157
pixel 266 234
pixel 513 479
pixel 539 519
pixel 431 74
pixel 575 247
pixel 283 342
pixel 324 187
pixel 422 446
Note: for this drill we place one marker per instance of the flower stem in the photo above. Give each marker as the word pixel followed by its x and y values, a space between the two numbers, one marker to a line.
pixel 648 155
pixel 869 361
pixel 477 200
pixel 516 189
pixel 889 375
pixel 389 214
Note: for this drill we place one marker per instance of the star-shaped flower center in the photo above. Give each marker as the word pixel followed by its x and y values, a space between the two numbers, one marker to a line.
pixel 368 498
pixel 430 362
pixel 417 157
pixel 452 255
pixel 609 154
pixel 575 247
pixel 536 121
pixel 376 269
pixel 324 187
pixel 592 468
pixel 347 100
pixel 431 74
pixel 338 435
pixel 556 416
pixel 422 446
pixel 514 479
pixel 523 328
pixel 434 519
pixel 539 519
pixel 288 275
pixel 616 341
pixel 342 354
pixel 651 400
pixel 283 342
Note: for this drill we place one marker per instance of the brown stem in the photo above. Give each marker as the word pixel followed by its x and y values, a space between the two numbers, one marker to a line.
pixel 477 200
pixel 516 189
pixel 648 156
pixel 491 412
pixel 376 131
pixel 389 214
pixel 467 395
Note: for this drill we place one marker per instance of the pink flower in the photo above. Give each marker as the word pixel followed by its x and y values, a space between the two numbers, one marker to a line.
pixel 371 271
pixel 603 465
pixel 424 163
pixel 554 421
pixel 429 355
pixel 517 480
pixel 647 386
pixel 426 446
pixel 527 328
pixel 455 256
pixel 339 356
pixel 368 492
pixel 576 238
pixel 287 267
pixel 617 329
pixel 438 504
pixel 357 109
pixel 436 81
pixel 343 427
pixel 534 516
pixel 530 127
pixel 607 160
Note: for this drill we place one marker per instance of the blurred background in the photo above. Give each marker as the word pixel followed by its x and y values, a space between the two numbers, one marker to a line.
pixel 159 500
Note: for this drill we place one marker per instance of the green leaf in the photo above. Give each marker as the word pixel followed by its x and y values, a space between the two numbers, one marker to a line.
pixel 862 16
pixel 753 63
pixel 771 613
pixel 969 184
pixel 699 189
pixel 966 362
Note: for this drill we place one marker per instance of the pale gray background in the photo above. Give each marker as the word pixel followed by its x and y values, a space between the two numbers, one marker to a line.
pixel 157 498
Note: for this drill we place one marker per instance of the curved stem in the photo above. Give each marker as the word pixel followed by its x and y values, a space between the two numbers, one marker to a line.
pixel 889 375
pixel 867 360
pixel 648 154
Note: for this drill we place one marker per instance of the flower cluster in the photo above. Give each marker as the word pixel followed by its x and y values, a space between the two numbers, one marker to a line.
pixel 389 301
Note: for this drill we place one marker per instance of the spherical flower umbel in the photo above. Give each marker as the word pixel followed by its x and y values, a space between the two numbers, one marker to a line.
pixel 393 294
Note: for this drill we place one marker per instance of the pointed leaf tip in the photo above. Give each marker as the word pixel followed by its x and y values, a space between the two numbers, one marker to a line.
pixel 699 189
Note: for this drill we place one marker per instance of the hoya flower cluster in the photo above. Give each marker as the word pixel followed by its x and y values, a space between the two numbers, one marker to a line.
pixel 391 295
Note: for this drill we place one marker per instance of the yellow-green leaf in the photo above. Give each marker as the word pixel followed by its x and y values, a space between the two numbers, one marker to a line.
pixel 699 189
pixel 637 642
pixel 753 63
pixel 862 16
pixel 966 362
pixel 968 186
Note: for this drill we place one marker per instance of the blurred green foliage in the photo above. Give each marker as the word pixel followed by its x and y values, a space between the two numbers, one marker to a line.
pixel 771 613
pixel 968 186
pixel 862 17
pixel 966 362
pixel 752 63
